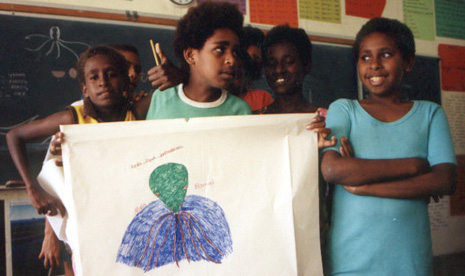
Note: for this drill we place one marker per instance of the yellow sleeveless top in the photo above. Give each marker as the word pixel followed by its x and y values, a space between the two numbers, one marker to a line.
pixel 82 119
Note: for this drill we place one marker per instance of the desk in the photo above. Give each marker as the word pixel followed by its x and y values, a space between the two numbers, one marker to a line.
pixel 25 236
pixel 16 193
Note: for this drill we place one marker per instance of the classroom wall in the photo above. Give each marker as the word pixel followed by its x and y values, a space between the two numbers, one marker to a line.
pixel 328 18
pixel 439 29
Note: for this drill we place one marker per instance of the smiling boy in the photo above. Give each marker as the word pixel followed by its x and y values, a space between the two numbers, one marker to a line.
pixel 103 77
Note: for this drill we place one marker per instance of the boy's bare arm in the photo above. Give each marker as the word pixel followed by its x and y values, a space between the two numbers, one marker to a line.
pixel 17 139
pixel 51 247
pixel 142 106
pixel 441 180
pixel 356 171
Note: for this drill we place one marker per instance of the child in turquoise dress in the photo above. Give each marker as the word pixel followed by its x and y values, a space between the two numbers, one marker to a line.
pixel 402 155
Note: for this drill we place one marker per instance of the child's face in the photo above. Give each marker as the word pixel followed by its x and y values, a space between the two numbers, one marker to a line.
pixel 103 83
pixel 134 68
pixel 214 65
pixel 284 69
pixel 381 66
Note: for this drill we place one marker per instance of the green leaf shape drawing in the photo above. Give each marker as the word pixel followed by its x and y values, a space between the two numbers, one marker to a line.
pixel 169 183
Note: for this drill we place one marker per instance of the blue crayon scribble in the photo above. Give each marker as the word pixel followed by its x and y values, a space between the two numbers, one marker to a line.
pixel 158 236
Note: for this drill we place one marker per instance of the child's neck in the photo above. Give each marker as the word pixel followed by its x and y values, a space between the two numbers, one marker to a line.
pixel 386 109
pixel 201 93
pixel 241 94
pixel 112 113
pixel 394 98
pixel 291 103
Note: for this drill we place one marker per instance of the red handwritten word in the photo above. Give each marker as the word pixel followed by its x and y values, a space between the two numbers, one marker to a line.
pixel 150 159
pixel 203 185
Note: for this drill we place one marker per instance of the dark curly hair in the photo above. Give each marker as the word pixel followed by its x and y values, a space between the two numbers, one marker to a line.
pixel 200 23
pixel 296 36
pixel 118 60
pixel 253 36
pixel 125 47
pixel 398 31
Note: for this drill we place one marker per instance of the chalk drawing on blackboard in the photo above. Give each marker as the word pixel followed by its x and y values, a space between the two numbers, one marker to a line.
pixel 175 227
pixel 58 74
pixel 55 41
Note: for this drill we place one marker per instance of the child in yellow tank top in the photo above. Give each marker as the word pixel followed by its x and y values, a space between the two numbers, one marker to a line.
pixel 103 77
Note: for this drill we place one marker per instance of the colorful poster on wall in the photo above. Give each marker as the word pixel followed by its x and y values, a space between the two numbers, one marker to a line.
pixel 365 8
pixel 452 67
pixel 206 196
pixel 447 217
pixel 274 12
pixel 453 103
pixel 320 10
pixel 419 16
pixel 450 18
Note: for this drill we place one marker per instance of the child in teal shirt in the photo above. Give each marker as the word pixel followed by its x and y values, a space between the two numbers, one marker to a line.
pixel 402 154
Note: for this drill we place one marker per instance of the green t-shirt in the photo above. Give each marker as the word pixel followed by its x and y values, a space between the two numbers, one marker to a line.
pixel 173 103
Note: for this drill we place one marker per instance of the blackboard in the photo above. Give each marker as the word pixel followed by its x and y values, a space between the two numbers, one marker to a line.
pixel 39 54
pixel 423 81
pixel 333 75
pixel 37 72
pixel 38 78
pixel 37 69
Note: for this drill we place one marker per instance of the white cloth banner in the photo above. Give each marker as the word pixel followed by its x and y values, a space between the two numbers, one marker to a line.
pixel 207 196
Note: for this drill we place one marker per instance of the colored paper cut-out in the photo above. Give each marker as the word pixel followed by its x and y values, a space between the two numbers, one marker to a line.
pixel 365 8
pixel 176 227
pixel 452 67
pixel 450 18
pixel 418 15
pixel 274 12
pixel 321 10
